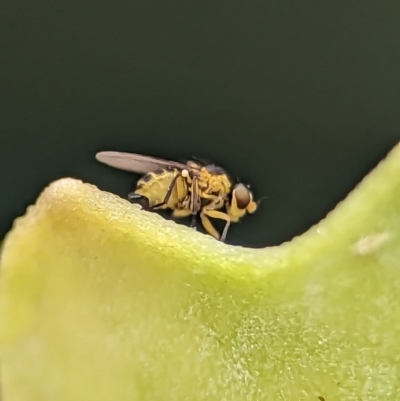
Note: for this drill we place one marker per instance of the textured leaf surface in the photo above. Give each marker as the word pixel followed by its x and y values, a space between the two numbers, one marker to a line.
pixel 102 301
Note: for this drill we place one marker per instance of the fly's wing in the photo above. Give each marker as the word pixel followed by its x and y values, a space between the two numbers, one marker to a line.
pixel 211 167
pixel 135 163
pixel 199 161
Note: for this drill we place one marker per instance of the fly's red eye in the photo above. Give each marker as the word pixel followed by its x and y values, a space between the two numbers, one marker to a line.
pixel 242 196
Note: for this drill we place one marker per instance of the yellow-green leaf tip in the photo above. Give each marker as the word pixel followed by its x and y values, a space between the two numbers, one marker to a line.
pixel 103 301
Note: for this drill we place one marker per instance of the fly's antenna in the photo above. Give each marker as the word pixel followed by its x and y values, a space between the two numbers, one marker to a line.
pixel 261 199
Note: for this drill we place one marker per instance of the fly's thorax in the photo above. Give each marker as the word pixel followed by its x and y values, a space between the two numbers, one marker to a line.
pixel 214 169
pixel 214 181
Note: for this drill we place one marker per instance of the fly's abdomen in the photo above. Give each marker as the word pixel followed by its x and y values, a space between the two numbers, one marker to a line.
pixel 156 185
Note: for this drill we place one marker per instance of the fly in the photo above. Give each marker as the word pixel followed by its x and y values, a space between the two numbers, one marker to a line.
pixel 194 188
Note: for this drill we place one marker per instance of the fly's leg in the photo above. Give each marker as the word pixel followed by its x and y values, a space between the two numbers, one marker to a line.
pixel 208 226
pixel 209 211
pixel 186 204
pixel 194 199
pixel 184 213
pixel 215 214
pixel 181 213
pixel 223 236
pixel 193 223
pixel 168 194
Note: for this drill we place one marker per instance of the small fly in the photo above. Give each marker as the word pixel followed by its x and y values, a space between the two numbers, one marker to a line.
pixel 194 188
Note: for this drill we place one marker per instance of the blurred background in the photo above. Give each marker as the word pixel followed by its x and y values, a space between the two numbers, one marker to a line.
pixel 300 99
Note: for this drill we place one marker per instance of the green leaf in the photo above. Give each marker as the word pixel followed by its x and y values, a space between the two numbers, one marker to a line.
pixel 103 301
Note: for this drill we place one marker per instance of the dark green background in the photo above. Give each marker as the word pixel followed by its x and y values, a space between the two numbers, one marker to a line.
pixel 300 98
